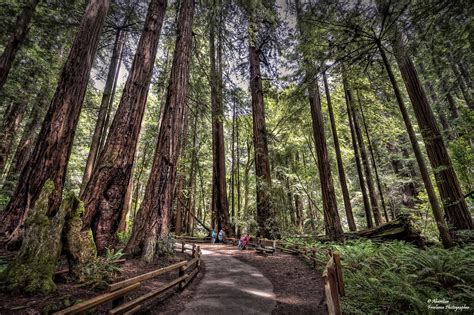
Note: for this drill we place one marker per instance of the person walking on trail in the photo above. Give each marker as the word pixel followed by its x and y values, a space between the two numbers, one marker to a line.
pixel 244 242
pixel 221 236
pixel 213 236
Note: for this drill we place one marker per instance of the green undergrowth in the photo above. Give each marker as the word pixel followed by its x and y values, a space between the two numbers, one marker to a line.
pixel 398 278
pixel 99 272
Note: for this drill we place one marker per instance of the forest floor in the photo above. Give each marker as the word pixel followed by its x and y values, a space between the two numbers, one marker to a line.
pixel 240 281
pixel 297 288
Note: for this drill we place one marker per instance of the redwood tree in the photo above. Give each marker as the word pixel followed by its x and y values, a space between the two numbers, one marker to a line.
pixel 99 131
pixel 437 212
pixel 219 189
pixel 153 218
pixel 365 198
pixel 331 214
pixel 365 162
pixel 262 163
pixel 455 207
pixel 51 153
pixel 340 165
pixel 16 39
pixel 105 192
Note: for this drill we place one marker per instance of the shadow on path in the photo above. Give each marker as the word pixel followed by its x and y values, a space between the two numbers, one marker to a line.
pixel 230 286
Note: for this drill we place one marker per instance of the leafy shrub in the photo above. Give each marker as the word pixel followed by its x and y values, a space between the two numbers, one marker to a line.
pixel 99 272
pixel 398 278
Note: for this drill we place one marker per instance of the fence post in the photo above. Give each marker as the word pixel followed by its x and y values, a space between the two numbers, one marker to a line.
pixel 182 246
pixel 199 257
pixel 338 269
pixel 194 250
pixel 332 279
pixel 180 274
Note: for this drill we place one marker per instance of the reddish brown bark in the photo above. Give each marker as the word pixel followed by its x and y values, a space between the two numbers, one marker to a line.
pixel 127 204
pixel 27 140
pixel 368 172
pixel 219 188
pixel 437 212
pixel 455 207
pixel 51 153
pixel 104 106
pixel 17 38
pixel 372 157
pixel 331 214
pixel 9 130
pixel 179 206
pixel 262 163
pixel 153 217
pixel 365 198
pixel 104 194
pixel 340 165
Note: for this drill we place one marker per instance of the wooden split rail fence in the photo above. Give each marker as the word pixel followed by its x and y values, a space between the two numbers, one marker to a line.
pixel 334 284
pixel 332 274
pixel 117 291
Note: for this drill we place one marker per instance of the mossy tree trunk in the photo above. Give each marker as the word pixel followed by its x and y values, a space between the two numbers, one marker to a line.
pixel 51 153
pixel 33 268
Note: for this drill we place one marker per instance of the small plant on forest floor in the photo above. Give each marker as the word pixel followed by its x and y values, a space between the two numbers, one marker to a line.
pixel 398 278
pixel 100 272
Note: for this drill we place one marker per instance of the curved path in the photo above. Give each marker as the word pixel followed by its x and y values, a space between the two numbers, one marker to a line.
pixel 230 286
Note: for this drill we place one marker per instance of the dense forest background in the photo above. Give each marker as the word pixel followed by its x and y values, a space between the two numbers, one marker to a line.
pixel 274 118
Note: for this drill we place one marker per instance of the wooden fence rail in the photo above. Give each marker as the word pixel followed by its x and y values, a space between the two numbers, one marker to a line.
pixel 333 284
pixel 118 290
pixel 333 276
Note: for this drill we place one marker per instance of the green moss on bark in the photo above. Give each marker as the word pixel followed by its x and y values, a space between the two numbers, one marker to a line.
pixel 34 266
pixel 79 245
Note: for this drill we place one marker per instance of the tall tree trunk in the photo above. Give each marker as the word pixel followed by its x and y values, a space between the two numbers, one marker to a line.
pixel 219 191
pixel 16 39
pixel 153 217
pixel 340 165
pixel 434 98
pixel 368 173
pixel 52 150
pixel 232 172
pixel 27 140
pixel 127 204
pixel 299 212
pixel 191 185
pixel 372 156
pixel 262 163
pixel 331 215
pixel 437 212
pixel 104 106
pixel 179 206
pixel 444 86
pixel 455 207
pixel 365 198
pixel 105 192
pixel 9 130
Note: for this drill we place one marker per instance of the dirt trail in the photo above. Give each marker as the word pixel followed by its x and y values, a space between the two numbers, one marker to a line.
pixel 230 286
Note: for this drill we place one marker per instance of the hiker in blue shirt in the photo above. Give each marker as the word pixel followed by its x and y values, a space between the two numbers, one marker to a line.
pixel 213 236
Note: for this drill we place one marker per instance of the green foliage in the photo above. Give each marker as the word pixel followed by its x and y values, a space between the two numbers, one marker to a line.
pixel 99 272
pixel 397 278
